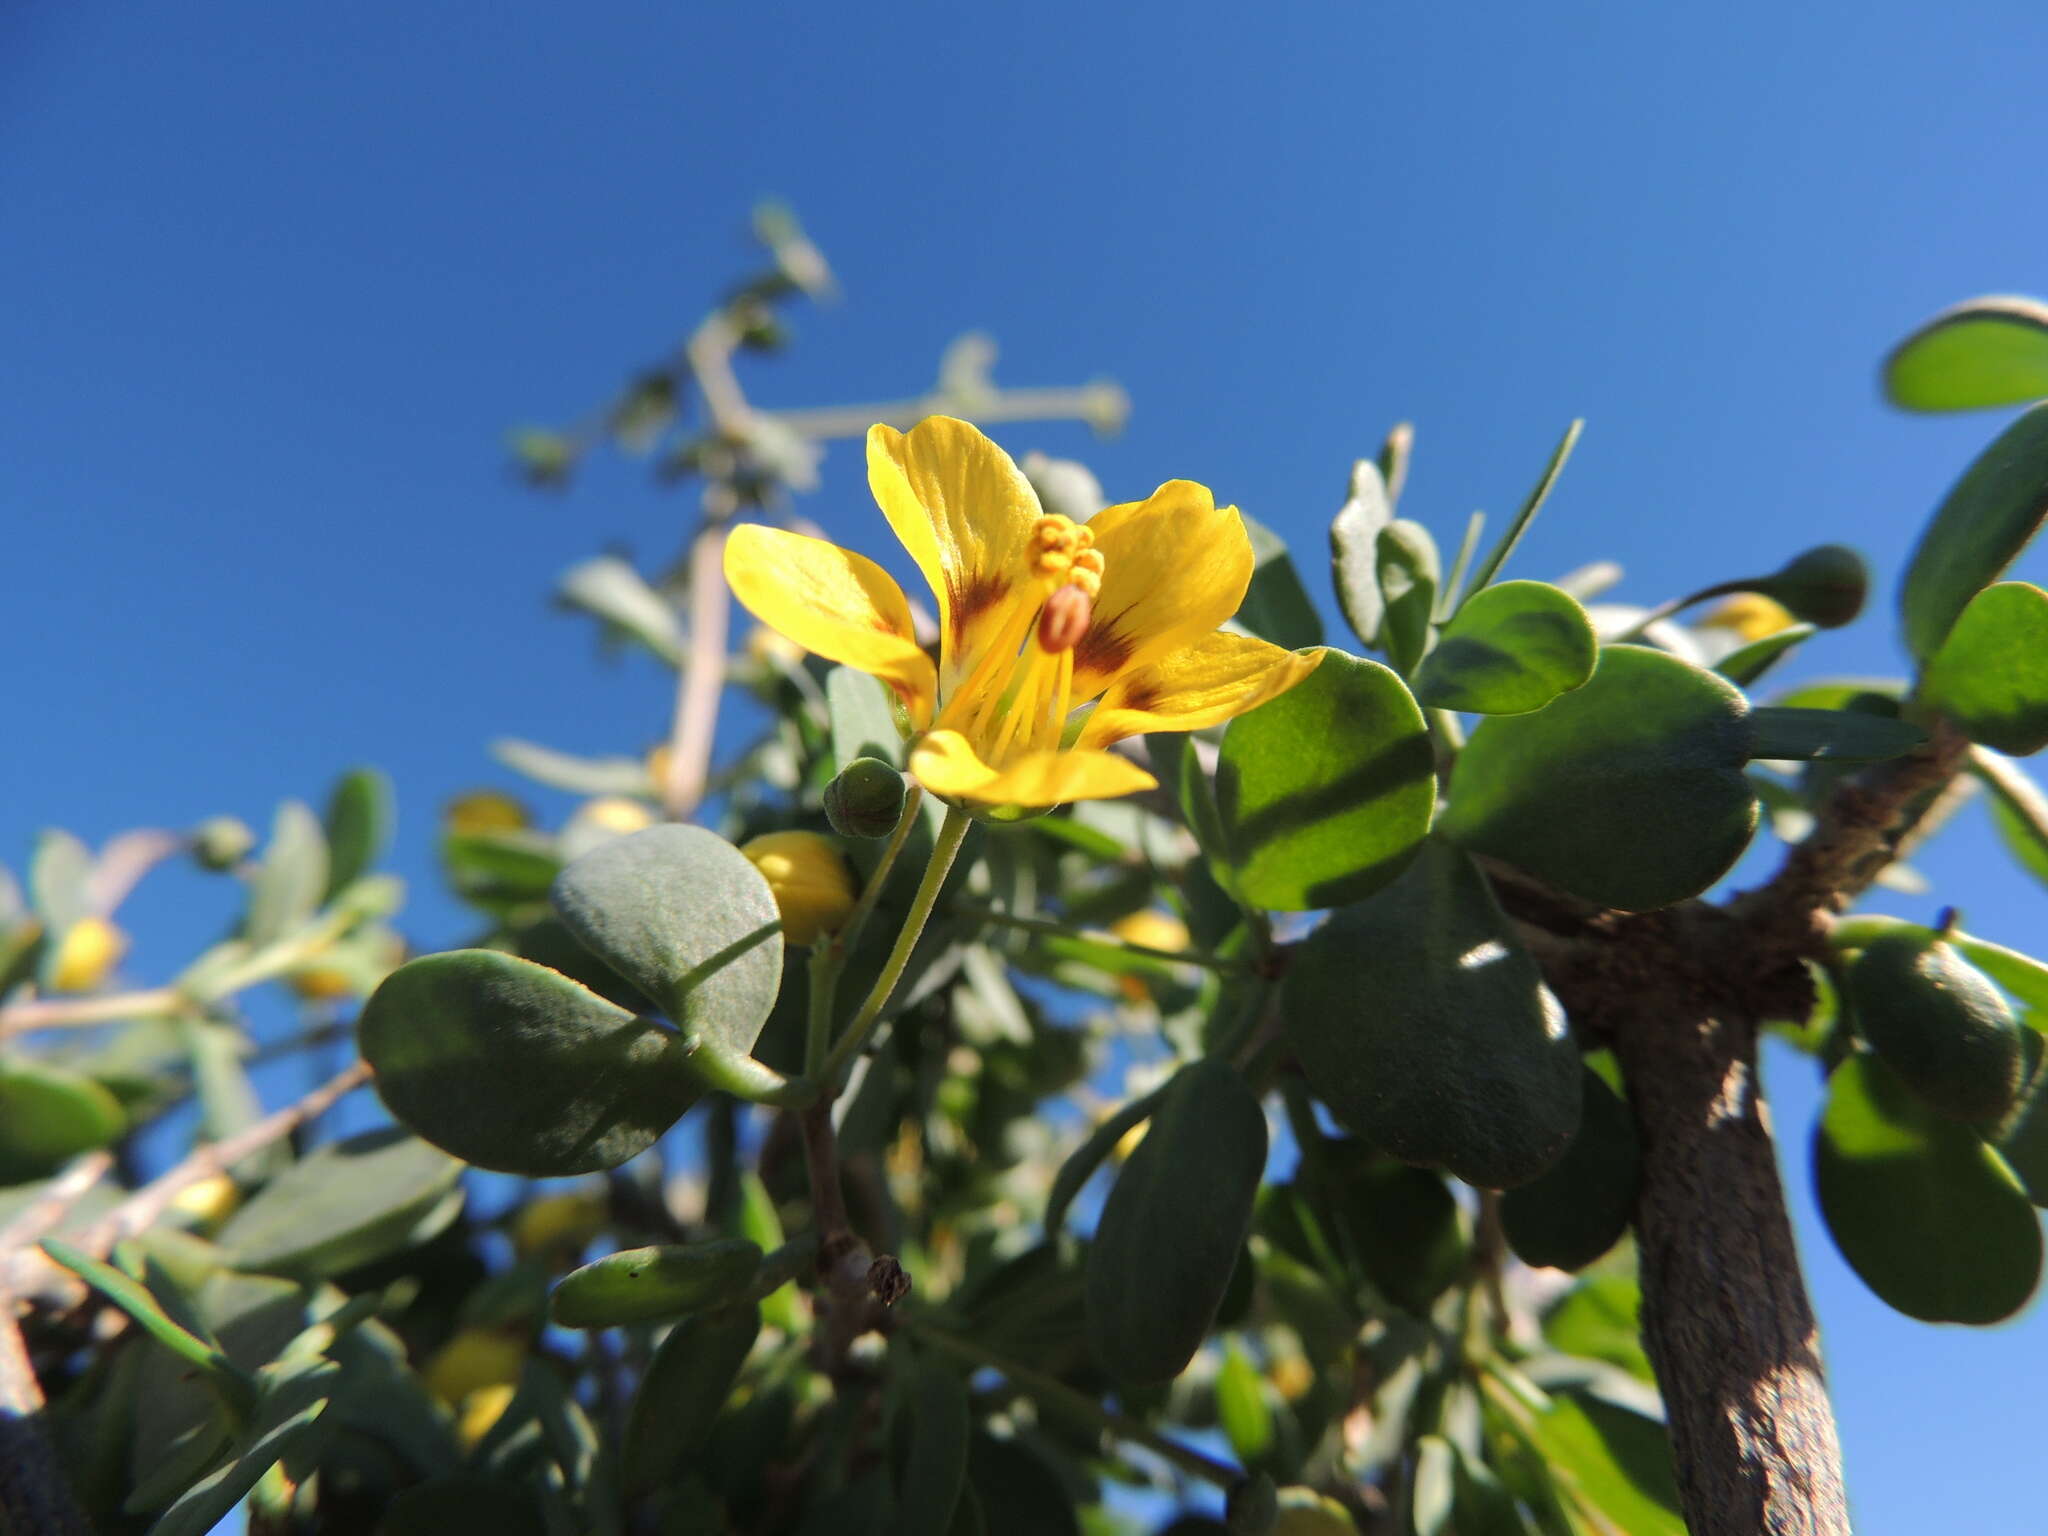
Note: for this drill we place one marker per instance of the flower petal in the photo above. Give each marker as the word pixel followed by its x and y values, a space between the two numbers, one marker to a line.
pixel 945 764
pixel 1218 677
pixel 1175 566
pixel 834 603
pixel 965 512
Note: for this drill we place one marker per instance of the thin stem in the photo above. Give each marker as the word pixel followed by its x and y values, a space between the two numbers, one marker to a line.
pixel 952 832
pixel 1203 958
pixel 1052 1392
pixel 78 1012
pixel 843 940
pixel 828 960
pixel 702 678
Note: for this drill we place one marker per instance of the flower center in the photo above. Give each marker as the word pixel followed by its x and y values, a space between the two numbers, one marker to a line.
pixel 1016 695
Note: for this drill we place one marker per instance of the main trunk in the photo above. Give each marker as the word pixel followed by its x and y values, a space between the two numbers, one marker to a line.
pixel 1725 1314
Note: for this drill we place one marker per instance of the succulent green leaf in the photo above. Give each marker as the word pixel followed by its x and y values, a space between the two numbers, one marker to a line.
pixel 1844 735
pixel 292 878
pixel 863 718
pixel 1982 525
pixel 686 1383
pixel 2022 1137
pixel 1743 667
pixel 1579 1209
pixel 644 1285
pixel 1241 1406
pixel 1354 550
pixel 1093 1152
pixel 1424 1027
pixel 1977 355
pixel 1324 794
pixel 1612 1464
pixel 686 917
pixel 1925 1212
pixel 60 879
pixel 1938 1022
pixel 49 1115
pixel 1403 1225
pixel 1276 606
pixel 512 1066
pixel 1511 649
pixel 343 1205
pixel 1498 555
pixel 358 825
pixel 935 1462
pixel 501 871
pixel 1409 569
pixel 1017 1491
pixel 204 1354
pixel 1991 674
pixel 1173 1224
pixel 1628 792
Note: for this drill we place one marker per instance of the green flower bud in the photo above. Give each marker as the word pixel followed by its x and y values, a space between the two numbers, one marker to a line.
pixel 222 842
pixel 866 800
pixel 1824 586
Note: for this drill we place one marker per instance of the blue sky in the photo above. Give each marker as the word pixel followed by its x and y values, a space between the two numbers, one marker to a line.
pixel 278 279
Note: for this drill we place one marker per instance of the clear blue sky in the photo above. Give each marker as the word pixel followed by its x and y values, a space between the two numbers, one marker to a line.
pixel 278 278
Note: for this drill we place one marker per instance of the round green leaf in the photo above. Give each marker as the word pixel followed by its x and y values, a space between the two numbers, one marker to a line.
pixel 644 1285
pixel 2022 1140
pixel 1628 792
pixel 358 825
pixel 342 1205
pixel 1512 648
pixel 1324 794
pixel 1402 1223
pixel 515 1067
pixel 1991 674
pixel 1581 1207
pixel 1409 570
pixel 1984 352
pixel 48 1116
pixel 1424 1027
pixel 686 917
pixel 1171 1229
pixel 1931 1218
pixel 1982 525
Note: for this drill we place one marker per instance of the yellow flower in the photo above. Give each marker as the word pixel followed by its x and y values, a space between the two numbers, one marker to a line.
pixel 485 810
pixel 1749 616
pixel 474 1359
pixel 812 885
pixel 88 952
pixel 558 1223
pixel 1040 617
pixel 1152 928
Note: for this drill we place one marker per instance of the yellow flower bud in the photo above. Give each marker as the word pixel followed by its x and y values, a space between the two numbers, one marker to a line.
pixel 1749 615
pixel 812 885
pixel 486 810
pixel 615 813
pixel 321 983
pixel 1292 1376
pixel 659 757
pixel 88 952
pixel 474 1359
pixel 1152 928
pixel 480 1410
pixel 557 1223
pixel 209 1202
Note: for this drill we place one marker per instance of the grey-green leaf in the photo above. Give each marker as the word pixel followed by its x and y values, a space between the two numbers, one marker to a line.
pixel 642 1285
pixel 1424 1027
pixel 292 878
pixel 344 1204
pixel 1977 355
pixel 686 1383
pixel 1354 550
pixel 1629 791
pixel 1744 666
pixel 512 1066
pixel 358 825
pixel 1408 568
pixel 1324 794
pixel 863 719
pixel 686 917
pixel 1991 674
pixel 1982 525
pixel 1928 1214
pixel 1510 649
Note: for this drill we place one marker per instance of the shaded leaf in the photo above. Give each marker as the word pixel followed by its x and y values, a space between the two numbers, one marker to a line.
pixel 1991 674
pixel 1511 649
pixel 1276 606
pixel 342 1205
pixel 1843 735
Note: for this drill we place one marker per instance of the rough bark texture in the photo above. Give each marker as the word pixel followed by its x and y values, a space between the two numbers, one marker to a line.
pixel 1725 1314
pixel 34 1500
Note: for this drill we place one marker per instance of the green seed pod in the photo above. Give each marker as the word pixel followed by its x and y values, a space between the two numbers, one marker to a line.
pixel 642 1285
pixel 1938 1022
pixel 866 800
pixel 1171 1229
pixel 221 842
pixel 1824 586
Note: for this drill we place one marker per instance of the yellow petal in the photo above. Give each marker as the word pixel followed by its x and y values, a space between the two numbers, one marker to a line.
pixel 966 513
pixel 1175 566
pixel 1217 678
pixel 946 765
pixel 834 603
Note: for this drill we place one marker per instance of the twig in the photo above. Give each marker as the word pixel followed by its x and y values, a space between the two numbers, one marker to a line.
pixel 702 680
pixel 42 1215
pixel 79 1012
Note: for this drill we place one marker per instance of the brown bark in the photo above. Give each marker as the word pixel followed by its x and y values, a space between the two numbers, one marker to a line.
pixel 1725 1314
